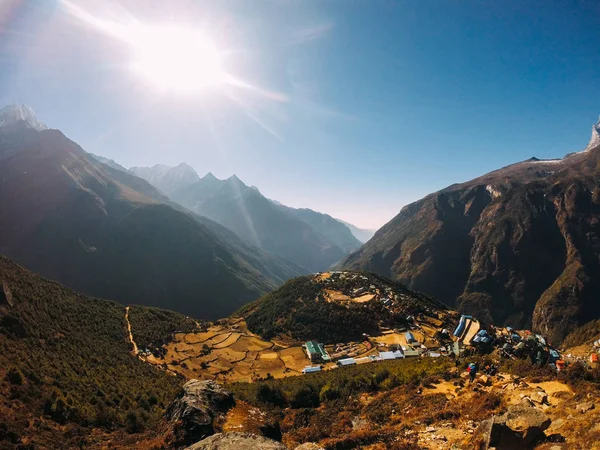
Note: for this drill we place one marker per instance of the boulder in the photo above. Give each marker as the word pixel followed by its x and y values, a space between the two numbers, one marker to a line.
pixel 237 441
pixel 539 397
pixel 521 428
pixel 192 414
pixel 485 380
pixel 309 446
pixel 584 407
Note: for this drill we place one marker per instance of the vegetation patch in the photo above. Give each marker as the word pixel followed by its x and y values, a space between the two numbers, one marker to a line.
pixel 66 357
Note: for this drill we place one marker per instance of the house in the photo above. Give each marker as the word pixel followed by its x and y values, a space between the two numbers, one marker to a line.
pixel 316 352
pixel 409 351
pixel 358 291
pixel 311 369
pixel 346 362
pixel 409 337
pixel 391 355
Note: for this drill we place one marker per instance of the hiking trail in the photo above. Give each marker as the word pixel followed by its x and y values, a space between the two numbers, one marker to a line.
pixel 135 347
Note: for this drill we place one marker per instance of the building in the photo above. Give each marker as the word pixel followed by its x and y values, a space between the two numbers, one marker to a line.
pixel 409 337
pixel 346 362
pixel 316 352
pixel 391 355
pixel 311 369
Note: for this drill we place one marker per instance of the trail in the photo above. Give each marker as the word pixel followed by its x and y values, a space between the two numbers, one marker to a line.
pixel 135 347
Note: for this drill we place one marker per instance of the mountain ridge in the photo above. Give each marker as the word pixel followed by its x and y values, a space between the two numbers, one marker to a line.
pixel 108 233
pixel 516 245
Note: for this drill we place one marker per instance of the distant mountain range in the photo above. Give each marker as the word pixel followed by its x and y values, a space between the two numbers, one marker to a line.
pixel 167 179
pixel 362 234
pixel 305 237
pixel 108 233
pixel 518 246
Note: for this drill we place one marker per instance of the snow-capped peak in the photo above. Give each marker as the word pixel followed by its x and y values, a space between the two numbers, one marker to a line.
pixel 13 114
pixel 595 140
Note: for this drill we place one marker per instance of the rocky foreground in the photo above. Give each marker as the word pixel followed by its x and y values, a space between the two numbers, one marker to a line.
pixel 501 412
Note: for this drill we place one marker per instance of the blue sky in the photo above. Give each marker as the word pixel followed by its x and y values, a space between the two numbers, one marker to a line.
pixel 359 107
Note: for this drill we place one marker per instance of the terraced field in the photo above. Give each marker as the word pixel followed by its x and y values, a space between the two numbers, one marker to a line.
pixel 228 352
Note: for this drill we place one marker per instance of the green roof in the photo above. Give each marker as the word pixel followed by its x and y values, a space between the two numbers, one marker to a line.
pixel 315 348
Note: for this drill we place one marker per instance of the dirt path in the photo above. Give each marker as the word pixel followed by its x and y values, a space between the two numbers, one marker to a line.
pixel 135 347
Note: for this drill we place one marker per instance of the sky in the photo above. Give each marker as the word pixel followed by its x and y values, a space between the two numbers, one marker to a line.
pixel 350 107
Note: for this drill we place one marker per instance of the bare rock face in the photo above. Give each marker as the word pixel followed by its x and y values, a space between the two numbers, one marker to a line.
pixel 193 413
pixel 518 246
pixel 6 297
pixel 237 441
pixel 521 428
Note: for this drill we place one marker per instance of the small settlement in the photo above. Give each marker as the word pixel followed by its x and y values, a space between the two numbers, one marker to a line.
pixel 424 337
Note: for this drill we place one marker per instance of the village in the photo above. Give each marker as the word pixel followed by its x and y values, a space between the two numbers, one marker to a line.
pixel 228 351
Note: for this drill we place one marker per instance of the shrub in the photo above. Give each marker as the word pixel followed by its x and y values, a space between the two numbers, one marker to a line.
pixel 14 376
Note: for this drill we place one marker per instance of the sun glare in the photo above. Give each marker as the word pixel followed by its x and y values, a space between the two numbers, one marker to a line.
pixel 176 59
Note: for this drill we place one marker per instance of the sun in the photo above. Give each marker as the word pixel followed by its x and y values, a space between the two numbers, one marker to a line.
pixel 176 59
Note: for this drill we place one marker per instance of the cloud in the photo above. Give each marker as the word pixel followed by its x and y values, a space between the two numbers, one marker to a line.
pixel 312 33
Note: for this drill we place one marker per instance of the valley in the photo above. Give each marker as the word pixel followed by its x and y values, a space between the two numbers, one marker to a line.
pixel 292 225
pixel 227 351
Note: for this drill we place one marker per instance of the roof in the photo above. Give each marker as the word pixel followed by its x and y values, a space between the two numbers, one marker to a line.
pixel 391 355
pixel 315 348
pixel 346 362
pixel 310 347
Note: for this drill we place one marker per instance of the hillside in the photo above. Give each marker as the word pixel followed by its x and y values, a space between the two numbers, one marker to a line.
pixel 518 246
pixel 108 233
pixel 308 239
pixel 66 366
pixel 338 307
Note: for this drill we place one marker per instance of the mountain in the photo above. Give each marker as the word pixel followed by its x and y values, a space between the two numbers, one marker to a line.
pixel 109 162
pixel 311 240
pixel 518 246
pixel 363 235
pixel 110 234
pixel 167 179
pixel 335 231
pixel 67 365
pixel 18 115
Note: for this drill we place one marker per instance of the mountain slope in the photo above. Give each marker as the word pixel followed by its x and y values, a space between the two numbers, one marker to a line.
pixel 268 225
pixel 167 179
pixel 66 361
pixel 335 231
pixel 363 235
pixel 518 246
pixel 108 233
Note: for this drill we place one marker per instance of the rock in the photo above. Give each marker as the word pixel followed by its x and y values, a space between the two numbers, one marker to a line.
pixel 539 397
pixel 584 407
pixel 519 429
pixel 485 380
pixel 237 441
pixel 6 296
pixel 309 446
pixel 523 419
pixel 193 412
pixel 430 429
pixel 526 401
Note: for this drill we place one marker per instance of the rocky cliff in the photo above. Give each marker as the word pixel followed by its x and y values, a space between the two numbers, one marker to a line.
pixel 518 246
